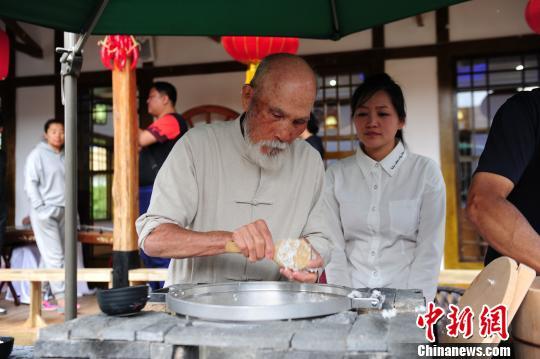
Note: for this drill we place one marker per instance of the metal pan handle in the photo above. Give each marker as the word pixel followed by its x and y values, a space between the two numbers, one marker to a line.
pixel 360 301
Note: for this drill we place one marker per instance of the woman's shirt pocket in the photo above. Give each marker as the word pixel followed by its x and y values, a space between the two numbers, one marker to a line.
pixel 404 217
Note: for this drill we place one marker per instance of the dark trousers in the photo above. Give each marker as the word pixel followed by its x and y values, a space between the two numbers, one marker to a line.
pixel 145 193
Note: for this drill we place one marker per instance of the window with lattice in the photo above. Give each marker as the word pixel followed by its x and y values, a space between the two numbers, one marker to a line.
pixel 482 85
pixel 332 109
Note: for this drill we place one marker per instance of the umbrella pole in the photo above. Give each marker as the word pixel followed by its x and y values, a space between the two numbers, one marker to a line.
pixel 70 73
pixel 71 61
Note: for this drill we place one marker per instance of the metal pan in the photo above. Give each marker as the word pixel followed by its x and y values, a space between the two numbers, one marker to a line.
pixel 258 301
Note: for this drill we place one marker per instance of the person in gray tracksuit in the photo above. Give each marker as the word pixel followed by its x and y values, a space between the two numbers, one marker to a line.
pixel 44 185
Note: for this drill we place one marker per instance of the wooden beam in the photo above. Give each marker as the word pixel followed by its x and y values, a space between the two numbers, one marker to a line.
pixel 198 69
pixel 126 174
pixel 28 45
pixel 447 137
pixel 350 60
pixel 419 20
pixel 377 37
pixel 441 24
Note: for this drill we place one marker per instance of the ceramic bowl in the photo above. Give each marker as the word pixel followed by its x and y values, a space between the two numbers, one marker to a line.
pixel 6 346
pixel 122 301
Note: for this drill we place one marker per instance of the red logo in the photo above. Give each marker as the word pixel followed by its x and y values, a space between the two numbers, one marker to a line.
pixel 461 321
pixel 491 322
pixel 429 320
pixel 494 321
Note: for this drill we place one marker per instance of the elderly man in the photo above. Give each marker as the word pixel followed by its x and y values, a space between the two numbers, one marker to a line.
pixel 246 181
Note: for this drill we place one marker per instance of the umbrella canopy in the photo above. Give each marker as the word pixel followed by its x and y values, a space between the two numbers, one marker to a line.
pixel 317 19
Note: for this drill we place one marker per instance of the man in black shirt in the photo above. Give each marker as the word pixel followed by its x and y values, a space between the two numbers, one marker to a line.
pixel 504 198
pixel 158 139
pixel 155 142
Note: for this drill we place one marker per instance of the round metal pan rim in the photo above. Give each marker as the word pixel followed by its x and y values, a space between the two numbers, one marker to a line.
pixel 183 300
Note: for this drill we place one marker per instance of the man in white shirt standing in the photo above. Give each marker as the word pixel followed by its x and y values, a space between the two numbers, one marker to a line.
pixel 247 181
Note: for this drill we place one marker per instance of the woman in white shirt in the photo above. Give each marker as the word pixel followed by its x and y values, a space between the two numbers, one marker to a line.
pixel 386 204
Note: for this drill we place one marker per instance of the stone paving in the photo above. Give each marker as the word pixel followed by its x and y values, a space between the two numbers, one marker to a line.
pixel 22 352
pixel 362 334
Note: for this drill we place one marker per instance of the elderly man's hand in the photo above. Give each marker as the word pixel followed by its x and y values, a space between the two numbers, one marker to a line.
pixel 305 276
pixel 255 240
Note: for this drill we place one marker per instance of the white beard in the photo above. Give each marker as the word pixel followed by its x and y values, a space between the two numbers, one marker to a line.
pixel 271 161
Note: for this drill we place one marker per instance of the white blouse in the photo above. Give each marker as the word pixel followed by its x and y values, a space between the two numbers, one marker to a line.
pixel 387 221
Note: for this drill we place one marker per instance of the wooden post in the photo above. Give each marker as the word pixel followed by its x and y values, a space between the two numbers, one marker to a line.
pixel 125 189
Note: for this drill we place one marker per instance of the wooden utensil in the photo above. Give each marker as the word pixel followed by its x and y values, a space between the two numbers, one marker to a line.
pixel 526 324
pixel 526 277
pixel 294 254
pixel 501 282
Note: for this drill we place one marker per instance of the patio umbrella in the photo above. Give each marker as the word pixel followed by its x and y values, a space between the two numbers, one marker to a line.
pixel 316 19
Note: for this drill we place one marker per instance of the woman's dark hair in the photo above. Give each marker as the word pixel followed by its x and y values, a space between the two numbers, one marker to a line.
pixel 380 82
pixel 50 122
pixel 313 124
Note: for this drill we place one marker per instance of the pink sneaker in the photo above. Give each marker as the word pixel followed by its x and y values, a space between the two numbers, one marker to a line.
pixel 48 306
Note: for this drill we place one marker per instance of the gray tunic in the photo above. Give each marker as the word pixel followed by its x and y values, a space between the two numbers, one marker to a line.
pixel 208 183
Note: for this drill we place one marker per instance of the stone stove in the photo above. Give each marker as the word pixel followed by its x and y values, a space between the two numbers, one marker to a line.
pixel 150 334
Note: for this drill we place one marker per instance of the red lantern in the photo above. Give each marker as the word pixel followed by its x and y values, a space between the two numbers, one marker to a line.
pixel 115 50
pixel 4 55
pixel 532 15
pixel 250 50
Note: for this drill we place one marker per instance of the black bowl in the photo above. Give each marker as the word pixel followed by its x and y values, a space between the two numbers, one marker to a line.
pixel 122 301
pixel 6 346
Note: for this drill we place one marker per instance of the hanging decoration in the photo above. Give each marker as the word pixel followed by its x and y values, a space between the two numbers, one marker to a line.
pixel 250 50
pixel 532 15
pixel 116 49
pixel 4 55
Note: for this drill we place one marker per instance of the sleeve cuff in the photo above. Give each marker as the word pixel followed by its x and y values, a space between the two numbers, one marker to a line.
pixel 322 246
pixel 146 225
